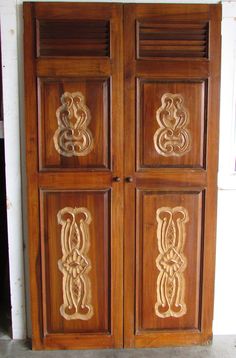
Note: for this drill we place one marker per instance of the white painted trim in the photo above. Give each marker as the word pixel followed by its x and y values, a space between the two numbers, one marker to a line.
pixel 13 165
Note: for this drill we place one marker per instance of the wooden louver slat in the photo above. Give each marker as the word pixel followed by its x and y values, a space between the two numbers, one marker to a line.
pixel 73 38
pixel 172 40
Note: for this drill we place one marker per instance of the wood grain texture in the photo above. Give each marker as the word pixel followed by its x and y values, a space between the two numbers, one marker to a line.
pixel 99 256
pixel 169 181
pixel 73 38
pixel 56 182
pixel 54 67
pixel 96 93
pixel 147 251
pixel 75 263
pixel 115 56
pixel 163 39
pixel 173 137
pixel 73 138
pixel 194 97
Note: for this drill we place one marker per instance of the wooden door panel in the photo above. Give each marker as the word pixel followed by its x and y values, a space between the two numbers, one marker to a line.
pixel 74 147
pixel 74 123
pixel 172 70
pixel 171 123
pixel 168 259
pixel 75 243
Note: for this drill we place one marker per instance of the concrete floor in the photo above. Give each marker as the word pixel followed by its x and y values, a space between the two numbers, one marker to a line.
pixel 222 347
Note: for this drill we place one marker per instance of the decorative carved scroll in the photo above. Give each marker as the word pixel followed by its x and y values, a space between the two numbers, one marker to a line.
pixel 172 138
pixel 72 137
pixel 75 264
pixel 171 261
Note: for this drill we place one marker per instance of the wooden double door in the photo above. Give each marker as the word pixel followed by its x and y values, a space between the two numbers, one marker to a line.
pixel 121 107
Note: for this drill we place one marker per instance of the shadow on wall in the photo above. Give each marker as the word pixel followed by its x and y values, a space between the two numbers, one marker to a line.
pixel 5 305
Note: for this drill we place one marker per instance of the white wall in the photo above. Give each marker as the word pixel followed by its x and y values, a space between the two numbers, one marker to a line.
pixel 225 294
pixel 13 165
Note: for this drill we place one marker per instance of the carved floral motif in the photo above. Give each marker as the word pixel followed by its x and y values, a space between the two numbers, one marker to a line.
pixel 172 138
pixel 171 261
pixel 75 264
pixel 72 137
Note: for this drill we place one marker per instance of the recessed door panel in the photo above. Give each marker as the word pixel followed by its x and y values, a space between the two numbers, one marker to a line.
pixel 172 123
pixel 169 232
pixel 74 124
pixel 76 261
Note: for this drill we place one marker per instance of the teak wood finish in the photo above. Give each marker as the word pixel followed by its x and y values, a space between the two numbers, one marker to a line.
pixel 160 181
pixel 57 182
pixel 122 226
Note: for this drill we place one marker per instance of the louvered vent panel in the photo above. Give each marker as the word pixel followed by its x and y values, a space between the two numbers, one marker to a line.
pixel 73 38
pixel 172 40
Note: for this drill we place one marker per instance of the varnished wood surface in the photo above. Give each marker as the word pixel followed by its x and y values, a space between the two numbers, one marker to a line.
pixel 70 38
pixel 99 255
pixel 166 179
pixel 123 180
pixel 194 95
pixel 54 67
pixel 163 39
pixel 56 181
pixel 147 252
pixel 97 94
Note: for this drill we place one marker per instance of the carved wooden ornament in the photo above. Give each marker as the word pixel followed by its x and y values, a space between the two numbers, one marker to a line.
pixel 72 137
pixel 172 138
pixel 75 264
pixel 171 261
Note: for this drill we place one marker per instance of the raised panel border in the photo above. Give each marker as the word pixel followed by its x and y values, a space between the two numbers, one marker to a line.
pixel 107 123
pixel 140 167
pixel 140 192
pixel 74 336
